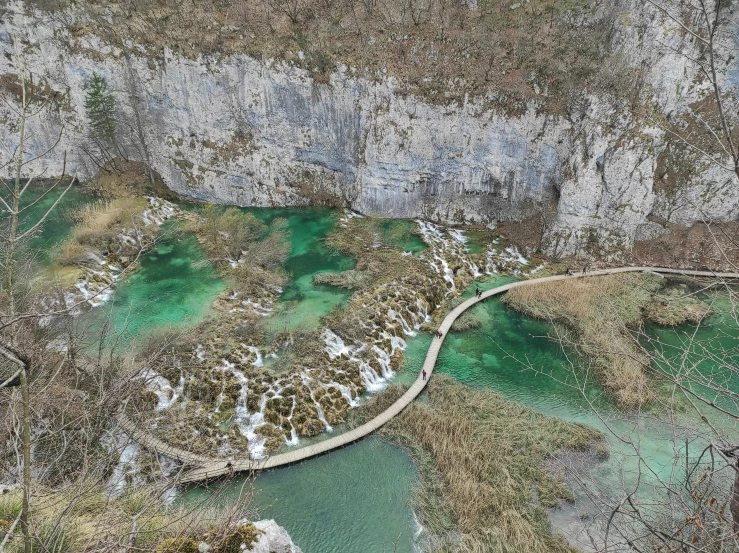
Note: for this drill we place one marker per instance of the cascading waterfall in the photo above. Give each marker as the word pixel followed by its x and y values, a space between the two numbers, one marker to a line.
pixel 321 417
pixel 294 440
pixel 391 313
pixel 259 362
pixel 96 284
pixel 167 394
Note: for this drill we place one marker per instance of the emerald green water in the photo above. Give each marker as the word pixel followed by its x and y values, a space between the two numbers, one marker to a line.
pixel 513 355
pixel 59 223
pixel 352 500
pixel 356 499
pixel 398 233
pixel 477 240
pixel 303 303
pixel 713 352
pixel 173 287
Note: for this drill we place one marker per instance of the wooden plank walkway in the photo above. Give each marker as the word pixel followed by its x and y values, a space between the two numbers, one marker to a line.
pixel 207 468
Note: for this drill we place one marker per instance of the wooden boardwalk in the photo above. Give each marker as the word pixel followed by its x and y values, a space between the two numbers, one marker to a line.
pixel 207 468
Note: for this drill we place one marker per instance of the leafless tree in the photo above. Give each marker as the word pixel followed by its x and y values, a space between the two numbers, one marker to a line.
pixel 707 24
pixel 679 487
pixel 293 9
pixel 59 439
pixel 13 344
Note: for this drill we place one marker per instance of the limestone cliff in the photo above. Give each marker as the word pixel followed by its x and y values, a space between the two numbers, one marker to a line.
pixel 239 130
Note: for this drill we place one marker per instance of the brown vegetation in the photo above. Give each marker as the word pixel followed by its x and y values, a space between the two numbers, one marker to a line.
pixel 93 521
pixel 98 228
pixel 483 485
pixel 701 246
pixel 676 305
pixel 126 178
pixel 351 280
pixel 246 250
pixel 542 50
pixel 599 310
pixel 602 311
pixel 377 256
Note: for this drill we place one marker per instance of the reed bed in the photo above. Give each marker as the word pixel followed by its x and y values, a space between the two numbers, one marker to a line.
pixel 600 310
pixel 97 224
pixel 483 486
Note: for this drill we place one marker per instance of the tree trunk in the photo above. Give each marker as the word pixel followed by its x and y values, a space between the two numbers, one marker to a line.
pixel 134 98
pixel 735 500
pixel 26 439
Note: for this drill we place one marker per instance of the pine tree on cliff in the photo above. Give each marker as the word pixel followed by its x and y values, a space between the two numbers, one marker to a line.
pixel 100 108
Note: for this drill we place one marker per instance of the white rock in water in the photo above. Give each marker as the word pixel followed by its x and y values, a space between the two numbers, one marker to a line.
pixel 274 540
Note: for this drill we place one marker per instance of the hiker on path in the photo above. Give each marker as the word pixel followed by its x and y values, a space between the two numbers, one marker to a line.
pixel 590 267
pixel 584 269
pixel 477 292
pixel 424 374
pixel 568 272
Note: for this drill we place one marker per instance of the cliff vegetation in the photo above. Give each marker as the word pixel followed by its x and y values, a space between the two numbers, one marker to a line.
pixel 542 51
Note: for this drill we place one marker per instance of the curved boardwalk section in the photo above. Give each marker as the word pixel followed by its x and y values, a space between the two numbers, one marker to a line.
pixel 207 468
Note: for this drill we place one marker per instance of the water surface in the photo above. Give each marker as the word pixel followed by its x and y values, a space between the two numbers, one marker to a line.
pixel 173 287
pixel 351 500
pixel 303 303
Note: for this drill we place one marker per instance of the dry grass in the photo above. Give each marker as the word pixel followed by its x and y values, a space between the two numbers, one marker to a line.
pixel 676 305
pixel 351 280
pixel 127 178
pixel 481 462
pixel 84 518
pixel 108 214
pixel 70 252
pixel 600 310
pixel 97 224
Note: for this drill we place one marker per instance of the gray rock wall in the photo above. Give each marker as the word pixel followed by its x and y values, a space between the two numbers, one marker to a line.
pixel 249 132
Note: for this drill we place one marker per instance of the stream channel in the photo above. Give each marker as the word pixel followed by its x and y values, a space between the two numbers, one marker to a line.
pixel 357 499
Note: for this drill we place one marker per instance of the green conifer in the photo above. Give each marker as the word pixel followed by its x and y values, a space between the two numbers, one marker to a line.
pixel 100 107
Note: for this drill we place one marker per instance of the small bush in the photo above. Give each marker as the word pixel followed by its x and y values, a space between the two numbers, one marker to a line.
pixel 178 545
pixel 10 505
pixel 245 534
pixel 351 280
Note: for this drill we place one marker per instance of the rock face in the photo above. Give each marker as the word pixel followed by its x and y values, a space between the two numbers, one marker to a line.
pixel 249 132
pixel 274 540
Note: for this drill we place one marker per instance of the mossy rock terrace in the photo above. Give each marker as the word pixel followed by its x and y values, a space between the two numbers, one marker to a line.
pixel 228 402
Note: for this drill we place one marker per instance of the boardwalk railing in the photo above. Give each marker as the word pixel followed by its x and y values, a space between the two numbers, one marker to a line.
pixel 206 468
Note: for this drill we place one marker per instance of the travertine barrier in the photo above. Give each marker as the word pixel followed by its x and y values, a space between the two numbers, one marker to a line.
pixel 206 468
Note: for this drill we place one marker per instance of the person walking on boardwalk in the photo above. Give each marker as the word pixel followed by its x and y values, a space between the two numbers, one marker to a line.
pixel 584 269
pixel 424 374
pixel 477 293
